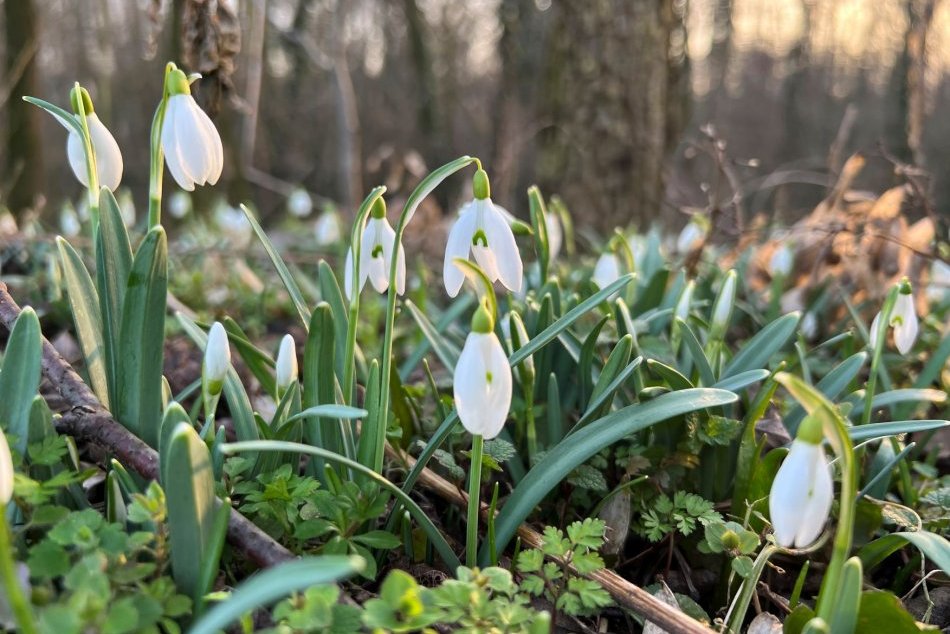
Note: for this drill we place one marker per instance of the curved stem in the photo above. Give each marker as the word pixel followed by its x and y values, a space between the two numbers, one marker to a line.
pixel 18 604
pixel 92 172
pixel 881 335
pixel 424 188
pixel 157 167
pixel 474 498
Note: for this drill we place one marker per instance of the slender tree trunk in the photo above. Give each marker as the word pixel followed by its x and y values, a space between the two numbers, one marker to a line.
pixel 615 93
pixel 24 164
pixel 920 14
pixel 351 162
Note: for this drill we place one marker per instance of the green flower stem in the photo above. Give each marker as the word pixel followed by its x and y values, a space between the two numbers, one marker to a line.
pixel 740 606
pixel 92 172
pixel 18 603
pixel 157 167
pixel 429 183
pixel 531 432
pixel 474 489
pixel 882 326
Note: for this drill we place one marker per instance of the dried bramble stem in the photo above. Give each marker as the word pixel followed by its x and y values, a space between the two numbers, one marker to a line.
pixel 88 421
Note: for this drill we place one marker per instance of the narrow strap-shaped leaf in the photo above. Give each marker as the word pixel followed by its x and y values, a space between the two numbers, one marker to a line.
pixel 330 293
pixel 697 353
pixel 113 265
pixel 20 379
pixel 258 362
pixel 87 316
pixel 174 415
pixel 871 431
pixel 573 451
pixel 330 411
pixel 447 351
pixel 292 289
pixel 742 380
pixel 757 351
pixel 934 547
pixel 671 375
pixel 905 395
pixel 318 379
pixel 831 386
pixel 445 321
pixel 138 398
pixel 602 397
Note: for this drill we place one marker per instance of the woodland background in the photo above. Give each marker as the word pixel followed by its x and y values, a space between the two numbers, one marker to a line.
pixel 605 102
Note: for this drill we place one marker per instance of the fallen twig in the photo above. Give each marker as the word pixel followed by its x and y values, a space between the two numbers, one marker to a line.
pixel 625 593
pixel 90 422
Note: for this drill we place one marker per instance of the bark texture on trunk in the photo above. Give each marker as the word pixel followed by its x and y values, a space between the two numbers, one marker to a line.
pixel 616 91
pixel 24 160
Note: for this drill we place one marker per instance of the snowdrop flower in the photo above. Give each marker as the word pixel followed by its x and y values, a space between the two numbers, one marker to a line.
pixel 482 229
pixel 722 309
pixel 299 203
pixel 685 300
pixel 802 491
pixel 376 255
pixel 903 320
pixel 217 360
pixel 782 260
pixel 693 232
pixel 939 281
pixel 286 363
pixel 69 223
pixel 191 143
pixel 328 229
pixel 232 223
pixel 6 472
pixel 482 380
pixel 179 204
pixel 809 326
pixel 555 233
pixel 106 150
pixel 607 270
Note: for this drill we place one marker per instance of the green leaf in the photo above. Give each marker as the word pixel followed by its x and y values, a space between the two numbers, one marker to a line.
pixel 447 351
pixel 268 586
pixel 696 352
pixel 20 378
pixel 65 117
pixel 832 385
pixel 933 546
pixel 742 380
pixel 844 612
pixel 87 316
pixel 671 376
pixel 330 411
pixel 438 541
pixel 289 283
pixel 319 379
pixel 378 539
pixel 742 566
pixel 258 362
pixel 758 350
pixel 560 461
pixel 331 294
pixel 191 515
pixel 881 613
pixel 882 430
pixel 893 397
pixel 138 398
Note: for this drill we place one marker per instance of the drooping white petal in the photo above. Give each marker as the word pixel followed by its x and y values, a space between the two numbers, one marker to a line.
pixel 555 233
pixel 173 158
pixel 905 324
pixel 458 245
pixel 818 504
pixel 873 331
pixel 192 140
pixel 77 157
pixel 286 366
pixel 6 472
pixel 217 358
pixel 501 241
pixel 485 258
pixel 348 274
pixel 108 156
pixel 373 256
pixel 688 237
pixel 606 271
pixel 789 493
pixel 482 385
pixel 213 139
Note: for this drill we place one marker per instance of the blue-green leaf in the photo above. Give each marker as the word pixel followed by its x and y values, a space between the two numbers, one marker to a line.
pixel 20 378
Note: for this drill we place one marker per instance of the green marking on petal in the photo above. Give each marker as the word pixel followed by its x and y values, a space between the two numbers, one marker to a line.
pixel 480 237
pixel 377 251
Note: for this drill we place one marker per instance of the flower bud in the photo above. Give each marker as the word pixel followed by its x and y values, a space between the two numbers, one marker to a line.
pixel 722 309
pixel 286 363
pixel 217 359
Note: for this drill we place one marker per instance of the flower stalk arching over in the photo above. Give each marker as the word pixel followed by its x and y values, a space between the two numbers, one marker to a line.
pixel 481 229
pixel 802 491
pixel 376 253
pixel 190 142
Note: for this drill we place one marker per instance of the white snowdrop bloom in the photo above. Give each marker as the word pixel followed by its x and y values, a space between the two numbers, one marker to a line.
pixel 328 229
pixel 179 204
pixel 903 321
pixel 299 203
pixel 607 270
pixel 555 233
pixel 191 143
pixel 6 472
pixel 286 363
pixel 126 207
pixel 782 260
pixel 483 230
pixel 685 300
pixel 233 223
pixel 802 491
pixel 722 309
pixel 69 223
pixel 939 285
pixel 106 150
pixel 692 233
pixel 376 254
pixel 809 325
pixel 638 245
pixel 482 380
pixel 217 359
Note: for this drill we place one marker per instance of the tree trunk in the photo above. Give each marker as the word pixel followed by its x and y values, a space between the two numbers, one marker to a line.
pixel 615 88
pixel 24 164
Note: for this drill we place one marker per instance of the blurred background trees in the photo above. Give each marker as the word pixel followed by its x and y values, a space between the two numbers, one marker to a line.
pixel 601 101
